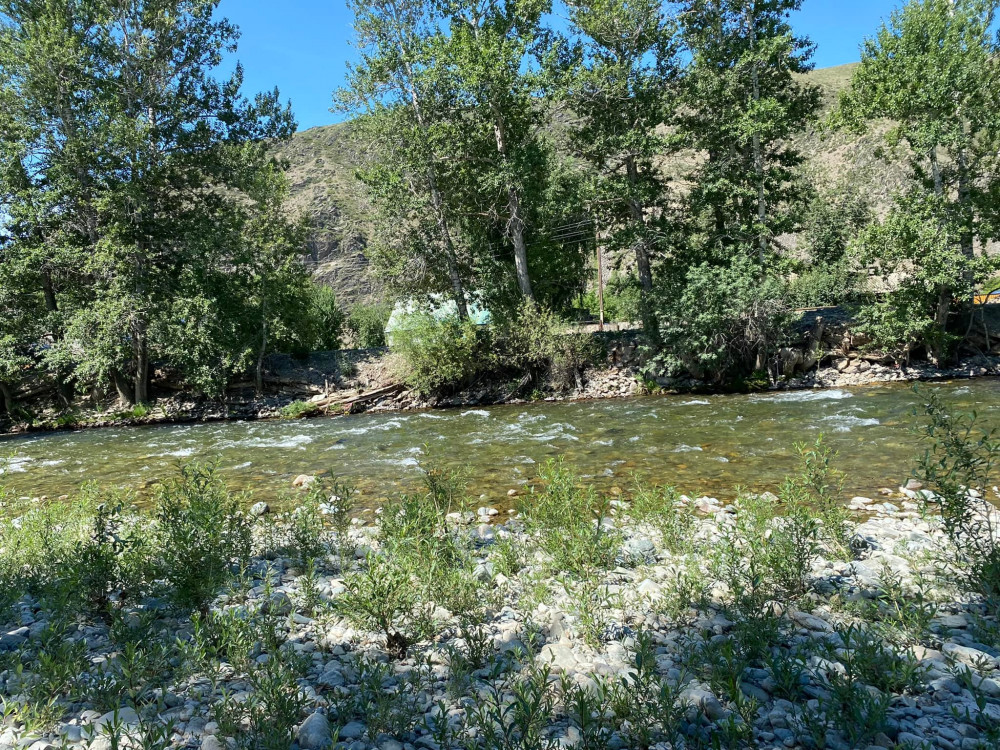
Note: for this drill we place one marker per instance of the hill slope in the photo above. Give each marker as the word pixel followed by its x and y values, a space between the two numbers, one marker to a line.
pixel 323 187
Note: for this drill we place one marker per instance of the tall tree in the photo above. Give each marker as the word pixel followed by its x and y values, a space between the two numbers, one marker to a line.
pixel 933 71
pixel 623 94
pixel 402 92
pixel 743 101
pixel 493 48
pixel 131 167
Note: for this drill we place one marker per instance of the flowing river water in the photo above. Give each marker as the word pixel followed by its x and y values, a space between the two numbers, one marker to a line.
pixel 699 444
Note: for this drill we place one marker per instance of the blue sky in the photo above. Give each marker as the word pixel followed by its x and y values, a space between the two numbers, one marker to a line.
pixel 302 46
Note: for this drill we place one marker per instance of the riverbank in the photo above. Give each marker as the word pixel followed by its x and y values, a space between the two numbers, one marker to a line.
pixel 441 626
pixel 360 381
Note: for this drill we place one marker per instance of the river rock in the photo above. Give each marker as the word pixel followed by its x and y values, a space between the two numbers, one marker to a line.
pixel 314 733
pixel 303 481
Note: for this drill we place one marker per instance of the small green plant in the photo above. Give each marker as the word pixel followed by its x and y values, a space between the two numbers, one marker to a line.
pixel 307 526
pixel 570 522
pixel 957 468
pixel 299 409
pixel 388 703
pixel 818 487
pixel 203 535
pixel 514 710
pixel 646 706
pixel 593 605
pixel 662 508
pixel 382 598
pixel 267 719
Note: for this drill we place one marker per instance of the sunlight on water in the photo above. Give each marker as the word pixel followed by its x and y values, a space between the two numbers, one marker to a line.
pixel 707 445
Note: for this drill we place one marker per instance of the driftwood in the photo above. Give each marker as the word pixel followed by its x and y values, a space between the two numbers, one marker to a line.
pixel 349 404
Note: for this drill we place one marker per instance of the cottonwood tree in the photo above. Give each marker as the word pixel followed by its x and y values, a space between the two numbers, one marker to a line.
pixel 623 93
pixel 130 171
pixel 722 308
pixel 402 92
pixel 493 48
pixel 743 101
pixel 933 71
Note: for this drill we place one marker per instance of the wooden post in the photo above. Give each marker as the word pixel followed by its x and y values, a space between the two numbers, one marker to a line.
pixel 600 277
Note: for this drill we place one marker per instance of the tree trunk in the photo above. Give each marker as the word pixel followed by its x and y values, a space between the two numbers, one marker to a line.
pixel 639 219
pixel 123 387
pixel 140 357
pixel 259 375
pixel 64 387
pixel 8 397
pixel 938 349
pixel 515 225
pixel 520 249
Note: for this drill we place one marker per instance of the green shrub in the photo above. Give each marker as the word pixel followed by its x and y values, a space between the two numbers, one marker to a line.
pixel 367 324
pixel 762 556
pixel 439 354
pixel 536 341
pixel 570 522
pixel 203 533
pixel 621 299
pixel 326 318
pixel 661 508
pixel 721 322
pixel 822 285
pixel 115 558
pixel 383 599
pixel 957 469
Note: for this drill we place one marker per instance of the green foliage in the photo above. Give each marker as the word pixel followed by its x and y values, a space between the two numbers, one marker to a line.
pixel 742 100
pixel 626 86
pixel 816 490
pixel 101 137
pixel 957 469
pixel 439 354
pixel 821 285
pixel 721 322
pixel 931 71
pixel 367 324
pixel 830 224
pixel 325 320
pixel 662 508
pixel 298 410
pixel 382 598
pixel 621 300
pixel 569 522
pixel 267 719
pixel 204 534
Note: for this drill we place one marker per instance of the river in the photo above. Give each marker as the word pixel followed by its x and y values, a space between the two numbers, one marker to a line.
pixel 699 444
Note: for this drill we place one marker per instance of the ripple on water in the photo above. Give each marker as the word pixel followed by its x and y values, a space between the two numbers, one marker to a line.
pixel 846 422
pixel 475 413
pixel 791 397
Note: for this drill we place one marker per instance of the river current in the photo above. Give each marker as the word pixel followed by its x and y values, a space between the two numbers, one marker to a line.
pixel 699 444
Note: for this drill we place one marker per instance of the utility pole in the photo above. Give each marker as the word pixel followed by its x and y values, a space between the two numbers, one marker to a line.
pixel 600 276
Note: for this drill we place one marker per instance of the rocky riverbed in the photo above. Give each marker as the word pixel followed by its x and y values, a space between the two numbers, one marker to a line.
pixel 880 651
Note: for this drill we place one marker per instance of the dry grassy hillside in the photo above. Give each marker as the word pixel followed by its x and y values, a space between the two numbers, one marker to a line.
pixel 323 186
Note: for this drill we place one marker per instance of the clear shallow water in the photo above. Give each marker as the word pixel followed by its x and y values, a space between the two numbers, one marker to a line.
pixel 700 444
